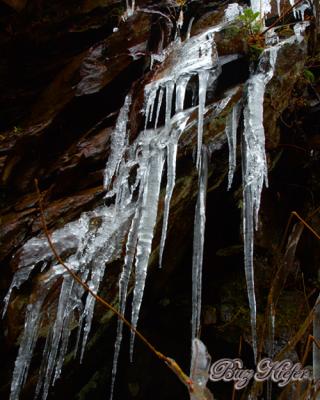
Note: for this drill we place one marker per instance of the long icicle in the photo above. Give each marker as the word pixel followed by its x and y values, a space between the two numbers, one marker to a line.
pixel 231 133
pixel 198 245
pixel 27 345
pixel 123 290
pixel 160 97
pixel 255 171
pixel 171 178
pixel 145 233
pixel 118 142
pixel 57 331
pixel 203 82
pixel 181 91
pixel 169 95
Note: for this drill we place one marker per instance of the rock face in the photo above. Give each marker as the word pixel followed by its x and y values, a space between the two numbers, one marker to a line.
pixel 66 73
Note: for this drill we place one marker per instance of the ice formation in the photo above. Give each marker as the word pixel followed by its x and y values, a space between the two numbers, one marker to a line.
pixel 261 6
pixel 196 56
pixel 300 9
pixel 130 7
pixel 171 177
pixel 198 244
pixel 118 143
pixel 233 11
pixel 254 164
pixel 199 371
pixel 87 237
pixel 146 226
pixel 255 171
pixel 231 133
pixel 89 234
pixel 98 236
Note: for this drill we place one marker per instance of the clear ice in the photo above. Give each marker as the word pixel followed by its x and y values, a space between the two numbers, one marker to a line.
pixel 261 6
pixel 171 177
pixel 98 236
pixel 255 170
pixel 231 133
pixel 118 143
pixel 233 11
pixel 254 163
pixel 199 371
pixel 198 245
pixel 146 226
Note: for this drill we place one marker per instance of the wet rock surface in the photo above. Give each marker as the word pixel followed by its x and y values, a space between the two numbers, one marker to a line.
pixel 64 75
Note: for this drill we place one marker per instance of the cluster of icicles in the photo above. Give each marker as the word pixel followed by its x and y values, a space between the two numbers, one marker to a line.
pixel 133 178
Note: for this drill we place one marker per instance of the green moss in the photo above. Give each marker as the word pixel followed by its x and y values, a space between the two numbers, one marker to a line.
pixel 232 32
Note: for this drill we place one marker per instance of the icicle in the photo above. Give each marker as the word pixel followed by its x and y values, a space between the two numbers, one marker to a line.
pixel 151 61
pixel 123 289
pixel 26 348
pixel 111 234
pixel 271 37
pixel 57 330
pixel 37 249
pixel 65 336
pixel 94 284
pixel 199 371
pixel 180 20
pixel 152 105
pixel 169 94
pixel 299 30
pixel 195 55
pixel 118 143
pixel 231 133
pixel 315 349
pixel 279 7
pixel 29 338
pixel 145 233
pixel 179 122
pixel 203 82
pixel 151 96
pixel 301 9
pixel 181 92
pixel 130 8
pixel 160 97
pixel 261 6
pixel 19 278
pixel 189 28
pixel 292 3
pixel 254 171
pixel 171 177
pixel 198 243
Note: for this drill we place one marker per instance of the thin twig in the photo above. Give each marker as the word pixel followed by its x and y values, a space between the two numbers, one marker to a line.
pixel 306 224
